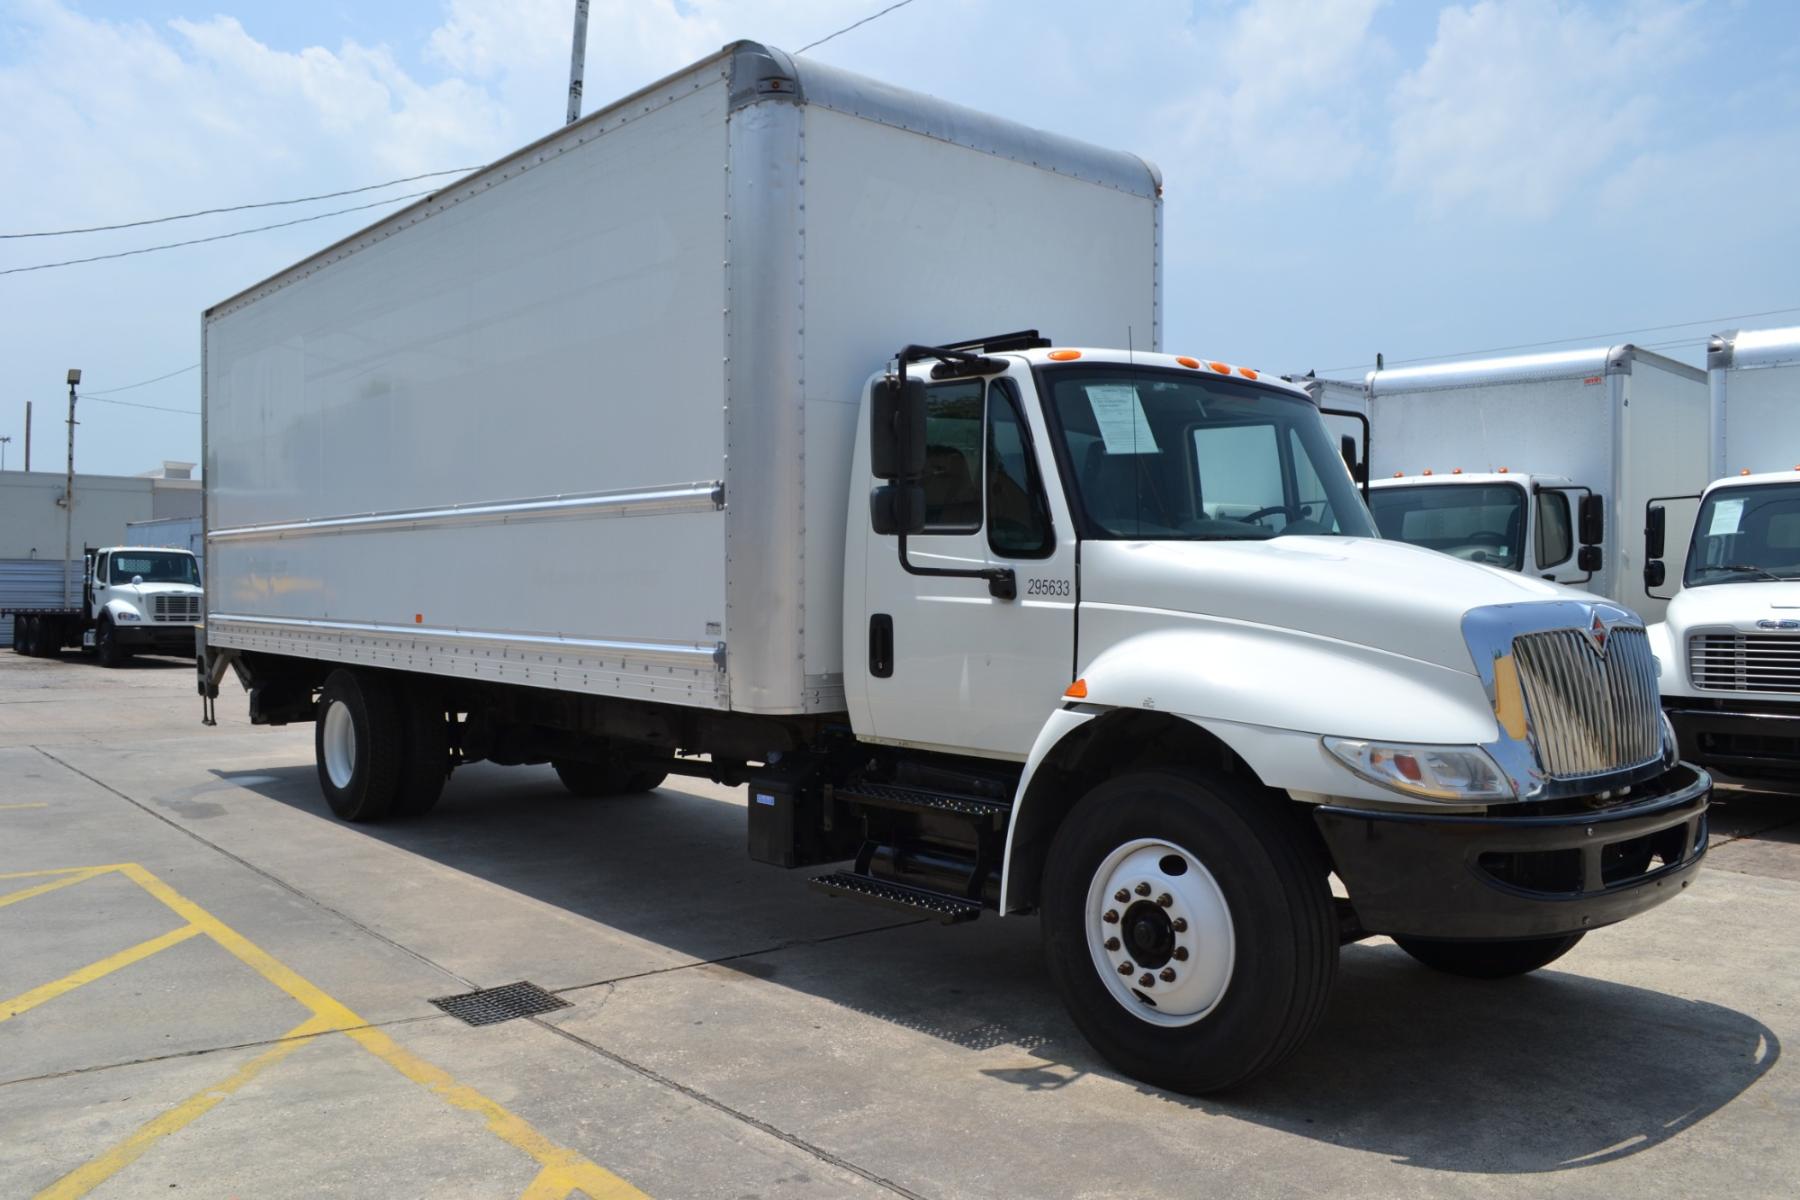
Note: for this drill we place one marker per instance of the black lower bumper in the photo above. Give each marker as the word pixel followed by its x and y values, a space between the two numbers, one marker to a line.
pixel 1523 875
pixel 157 639
pixel 1747 741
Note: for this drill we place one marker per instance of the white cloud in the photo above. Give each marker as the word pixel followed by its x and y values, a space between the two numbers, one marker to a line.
pixel 1517 104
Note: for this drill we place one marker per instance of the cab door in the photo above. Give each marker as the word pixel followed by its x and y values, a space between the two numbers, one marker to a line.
pixel 954 666
pixel 1553 546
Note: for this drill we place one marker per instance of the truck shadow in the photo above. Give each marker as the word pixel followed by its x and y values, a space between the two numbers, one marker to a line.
pixel 1553 1071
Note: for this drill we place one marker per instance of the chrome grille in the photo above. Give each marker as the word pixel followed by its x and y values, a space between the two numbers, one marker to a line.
pixel 1744 662
pixel 1590 713
pixel 175 608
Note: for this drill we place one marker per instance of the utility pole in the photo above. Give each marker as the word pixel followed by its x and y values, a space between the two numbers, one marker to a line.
pixel 3 443
pixel 577 59
pixel 28 435
pixel 69 495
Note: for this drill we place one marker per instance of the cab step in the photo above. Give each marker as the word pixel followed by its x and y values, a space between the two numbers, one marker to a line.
pixel 915 799
pixel 949 910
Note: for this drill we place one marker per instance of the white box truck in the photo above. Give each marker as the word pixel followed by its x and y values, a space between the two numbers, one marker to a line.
pixel 1729 647
pixel 1516 462
pixel 620 455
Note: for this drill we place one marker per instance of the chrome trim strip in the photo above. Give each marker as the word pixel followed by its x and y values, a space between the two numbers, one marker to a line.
pixel 674 653
pixel 649 502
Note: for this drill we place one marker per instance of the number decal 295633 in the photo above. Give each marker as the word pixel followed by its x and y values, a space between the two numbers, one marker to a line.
pixel 1047 587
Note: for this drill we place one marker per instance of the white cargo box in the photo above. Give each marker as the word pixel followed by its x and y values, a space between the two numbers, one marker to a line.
pixel 582 420
pixel 1754 376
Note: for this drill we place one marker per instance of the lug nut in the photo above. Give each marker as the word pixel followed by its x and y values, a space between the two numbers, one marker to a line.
pixel 1168 974
pixel 1112 943
pixel 1126 968
pixel 1165 899
pixel 1122 896
pixel 1181 954
pixel 1180 924
pixel 1146 980
pixel 1111 917
pixel 1143 889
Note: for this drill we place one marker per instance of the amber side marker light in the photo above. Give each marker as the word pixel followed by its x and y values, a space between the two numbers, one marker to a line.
pixel 1077 690
pixel 1064 355
pixel 1194 365
pixel 1221 368
pixel 1246 372
pixel 1743 470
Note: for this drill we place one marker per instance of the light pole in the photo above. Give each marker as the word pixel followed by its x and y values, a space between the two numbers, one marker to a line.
pixel 3 442
pixel 69 494
pixel 577 58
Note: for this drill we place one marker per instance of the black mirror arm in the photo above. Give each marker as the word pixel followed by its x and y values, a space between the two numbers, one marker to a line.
pixel 1002 583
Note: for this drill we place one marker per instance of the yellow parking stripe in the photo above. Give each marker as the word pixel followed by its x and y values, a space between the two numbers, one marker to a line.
pixel 26 1001
pixel 93 1173
pixel 40 889
pixel 35 804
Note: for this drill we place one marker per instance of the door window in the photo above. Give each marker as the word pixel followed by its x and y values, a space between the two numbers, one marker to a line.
pixel 1017 515
pixel 1555 534
pixel 953 457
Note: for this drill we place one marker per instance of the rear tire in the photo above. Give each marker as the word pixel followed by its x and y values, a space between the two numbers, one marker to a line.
pixel 106 645
pixel 1489 960
pixel 1240 958
pixel 427 763
pixel 24 632
pixel 359 741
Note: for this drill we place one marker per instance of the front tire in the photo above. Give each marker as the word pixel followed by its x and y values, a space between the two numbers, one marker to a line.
pixel 359 743
pixel 24 633
pixel 1226 926
pixel 107 649
pixel 1489 960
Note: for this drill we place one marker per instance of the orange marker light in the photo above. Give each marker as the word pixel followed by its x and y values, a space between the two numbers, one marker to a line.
pixel 1427 470
pixel 1456 470
pixel 1503 470
pixel 1399 474
pixel 1743 470
pixel 1077 690
pixel 1064 355
pixel 1194 363
pixel 1221 368
pixel 1246 372
pixel 418 618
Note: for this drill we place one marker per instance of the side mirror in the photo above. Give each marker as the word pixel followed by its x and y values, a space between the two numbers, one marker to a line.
pixel 136 580
pixel 1593 520
pixel 1656 523
pixel 897 508
pixel 1347 447
pixel 1590 559
pixel 897 430
pixel 1654 574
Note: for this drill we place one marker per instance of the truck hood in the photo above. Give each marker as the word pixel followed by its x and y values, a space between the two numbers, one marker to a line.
pixel 1387 595
pixel 1738 606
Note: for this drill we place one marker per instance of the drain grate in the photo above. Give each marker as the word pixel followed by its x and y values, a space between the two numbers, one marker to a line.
pixel 490 1006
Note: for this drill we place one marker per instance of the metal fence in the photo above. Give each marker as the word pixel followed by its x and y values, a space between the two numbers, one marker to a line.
pixel 29 583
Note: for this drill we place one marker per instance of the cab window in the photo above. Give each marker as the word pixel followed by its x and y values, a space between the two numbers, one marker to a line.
pixel 1555 531
pixel 1017 516
pixel 953 457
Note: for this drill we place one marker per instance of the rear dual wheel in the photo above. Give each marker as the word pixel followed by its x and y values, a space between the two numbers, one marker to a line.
pixel 382 747
pixel 1189 928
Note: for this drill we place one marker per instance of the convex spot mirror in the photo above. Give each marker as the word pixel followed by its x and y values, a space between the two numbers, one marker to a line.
pixel 1654 573
pixel 897 508
pixel 897 430
pixel 1590 559
pixel 1592 521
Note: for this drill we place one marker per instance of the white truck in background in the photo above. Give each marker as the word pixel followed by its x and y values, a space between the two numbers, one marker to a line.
pixel 619 455
pixel 133 599
pixel 1517 462
pixel 1729 644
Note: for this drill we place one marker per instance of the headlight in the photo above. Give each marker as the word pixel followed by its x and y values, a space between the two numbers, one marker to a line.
pixel 125 614
pixel 1460 774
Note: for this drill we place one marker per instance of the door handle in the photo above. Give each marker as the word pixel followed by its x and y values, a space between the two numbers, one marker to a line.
pixel 881 645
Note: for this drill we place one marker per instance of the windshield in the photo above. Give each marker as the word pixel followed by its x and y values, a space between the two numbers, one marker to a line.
pixel 1744 534
pixel 1156 454
pixel 156 566
pixel 1482 523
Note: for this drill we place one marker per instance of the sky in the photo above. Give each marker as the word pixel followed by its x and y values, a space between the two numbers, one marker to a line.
pixel 1342 177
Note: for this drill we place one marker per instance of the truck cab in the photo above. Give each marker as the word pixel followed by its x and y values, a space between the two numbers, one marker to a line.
pixel 139 599
pixel 1729 644
pixel 1545 526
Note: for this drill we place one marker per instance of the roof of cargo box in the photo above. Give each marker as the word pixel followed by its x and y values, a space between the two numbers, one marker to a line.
pixel 1521 368
pixel 755 74
pixel 1755 348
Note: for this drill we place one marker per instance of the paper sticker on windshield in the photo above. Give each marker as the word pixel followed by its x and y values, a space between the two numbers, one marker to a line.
pixel 1120 415
pixel 1726 515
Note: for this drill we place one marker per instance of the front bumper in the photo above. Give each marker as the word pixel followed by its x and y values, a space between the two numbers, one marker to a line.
pixel 154 638
pixel 1747 740
pixel 1521 875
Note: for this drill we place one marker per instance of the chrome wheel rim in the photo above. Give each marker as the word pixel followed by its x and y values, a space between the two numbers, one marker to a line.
pixel 1160 933
pixel 339 743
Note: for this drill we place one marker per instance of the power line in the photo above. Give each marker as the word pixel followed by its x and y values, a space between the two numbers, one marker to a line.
pixel 1587 337
pixel 853 25
pixel 140 383
pixel 186 412
pixel 217 237
pixel 207 212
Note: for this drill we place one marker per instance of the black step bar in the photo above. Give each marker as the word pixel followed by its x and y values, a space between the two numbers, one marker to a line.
pixel 947 910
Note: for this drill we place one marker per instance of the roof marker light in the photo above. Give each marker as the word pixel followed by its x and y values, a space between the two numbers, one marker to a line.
pixel 1194 363
pixel 1399 474
pixel 1246 372
pixel 1456 470
pixel 1427 470
pixel 1221 368
pixel 1743 470
pixel 1077 690
pixel 1064 355
pixel 1503 470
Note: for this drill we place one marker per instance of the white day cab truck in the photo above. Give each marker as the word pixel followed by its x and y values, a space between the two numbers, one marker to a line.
pixel 132 599
pixel 618 455
pixel 1729 644
pixel 1516 462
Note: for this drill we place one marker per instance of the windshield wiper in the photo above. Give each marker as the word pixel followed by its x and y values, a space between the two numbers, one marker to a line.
pixel 1750 569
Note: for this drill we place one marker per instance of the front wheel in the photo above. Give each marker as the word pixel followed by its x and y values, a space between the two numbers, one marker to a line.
pixel 1489 960
pixel 1188 928
pixel 106 645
